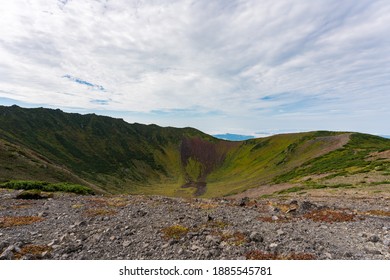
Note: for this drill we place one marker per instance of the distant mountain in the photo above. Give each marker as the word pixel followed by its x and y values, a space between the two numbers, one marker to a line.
pixel 233 137
pixel 113 156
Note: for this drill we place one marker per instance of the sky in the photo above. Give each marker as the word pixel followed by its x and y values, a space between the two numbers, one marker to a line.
pixel 240 66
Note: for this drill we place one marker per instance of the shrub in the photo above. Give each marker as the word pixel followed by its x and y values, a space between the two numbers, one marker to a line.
pixel 32 194
pixel 47 187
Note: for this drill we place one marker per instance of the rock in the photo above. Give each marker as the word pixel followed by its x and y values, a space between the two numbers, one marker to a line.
pixel 213 239
pixel 328 256
pixel 372 250
pixel 43 214
pixel 244 201
pixel 3 245
pixel 374 239
pixel 80 223
pixel 273 245
pixel 307 206
pixel 275 218
pixel 348 255
pixel 256 237
pixel 279 232
pixel 195 247
pixel 8 253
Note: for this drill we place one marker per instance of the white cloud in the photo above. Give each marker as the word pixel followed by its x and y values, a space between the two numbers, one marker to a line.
pixel 322 64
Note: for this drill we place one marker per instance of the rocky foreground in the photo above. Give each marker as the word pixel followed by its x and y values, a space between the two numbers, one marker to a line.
pixel 141 227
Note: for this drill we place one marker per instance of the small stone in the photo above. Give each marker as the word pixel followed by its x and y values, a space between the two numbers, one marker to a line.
pixel 112 238
pixel 80 223
pixel 273 245
pixel 126 243
pixel 166 245
pixel 328 255
pixel 256 237
pixel 195 248
pixel 8 253
pixel 279 232
pixel 348 255
pixel 43 214
pixel 244 201
pixel 213 239
pixel 275 218
pixel 373 239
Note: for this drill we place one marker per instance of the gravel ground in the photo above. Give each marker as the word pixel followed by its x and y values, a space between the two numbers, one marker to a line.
pixel 149 227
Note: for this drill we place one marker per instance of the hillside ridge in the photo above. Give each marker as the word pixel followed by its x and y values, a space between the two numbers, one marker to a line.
pixel 112 156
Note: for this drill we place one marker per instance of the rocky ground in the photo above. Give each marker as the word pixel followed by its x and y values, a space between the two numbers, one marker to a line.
pixel 140 227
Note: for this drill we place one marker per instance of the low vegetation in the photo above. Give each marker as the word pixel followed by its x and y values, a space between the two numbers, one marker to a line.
pixel 175 232
pixel 47 187
pixel 112 156
pixel 12 221
pixel 35 251
pixel 33 194
pixel 330 216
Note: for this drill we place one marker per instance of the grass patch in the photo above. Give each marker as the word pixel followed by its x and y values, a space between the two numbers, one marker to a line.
pixel 47 187
pixel 34 250
pixel 291 190
pixel 329 216
pixel 380 183
pixel 340 186
pixel 378 213
pixel 235 239
pixel 174 232
pixel 12 221
pixel 33 194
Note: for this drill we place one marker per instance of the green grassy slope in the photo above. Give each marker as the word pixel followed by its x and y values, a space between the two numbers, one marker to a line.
pixel 110 155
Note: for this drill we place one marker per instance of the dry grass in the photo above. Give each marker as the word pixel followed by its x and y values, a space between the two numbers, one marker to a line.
pixel 108 202
pixel 259 255
pixel 175 232
pixel 377 213
pixel 31 249
pixel 330 216
pixel 93 212
pixel 236 239
pixel 12 221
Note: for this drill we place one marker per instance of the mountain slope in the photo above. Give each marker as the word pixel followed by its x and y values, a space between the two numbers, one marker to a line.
pixel 113 156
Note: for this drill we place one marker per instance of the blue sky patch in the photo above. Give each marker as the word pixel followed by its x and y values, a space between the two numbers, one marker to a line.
pixel 83 82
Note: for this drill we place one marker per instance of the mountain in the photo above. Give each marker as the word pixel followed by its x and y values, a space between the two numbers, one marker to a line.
pixel 233 137
pixel 112 156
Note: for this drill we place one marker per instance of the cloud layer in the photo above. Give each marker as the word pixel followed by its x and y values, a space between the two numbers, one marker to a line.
pixel 221 66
